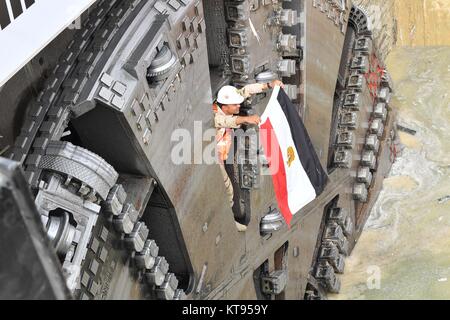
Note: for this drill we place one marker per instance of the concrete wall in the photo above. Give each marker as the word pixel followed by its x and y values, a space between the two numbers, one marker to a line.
pixel 423 22
pixel 408 22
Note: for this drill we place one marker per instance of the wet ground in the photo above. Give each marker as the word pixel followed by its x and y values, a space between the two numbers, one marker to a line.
pixel 404 252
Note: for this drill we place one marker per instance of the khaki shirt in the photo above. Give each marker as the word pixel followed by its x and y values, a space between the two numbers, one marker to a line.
pixel 225 123
pixel 221 120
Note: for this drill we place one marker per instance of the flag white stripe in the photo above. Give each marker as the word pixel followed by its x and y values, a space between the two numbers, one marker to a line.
pixel 299 187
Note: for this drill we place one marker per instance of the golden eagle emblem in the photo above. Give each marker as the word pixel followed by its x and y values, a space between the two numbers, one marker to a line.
pixel 291 156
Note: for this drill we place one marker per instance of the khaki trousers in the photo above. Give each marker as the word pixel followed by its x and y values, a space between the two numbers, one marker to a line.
pixel 228 184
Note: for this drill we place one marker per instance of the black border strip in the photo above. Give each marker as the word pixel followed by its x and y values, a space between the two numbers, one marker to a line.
pixel 29 3
pixel 4 16
pixel 16 8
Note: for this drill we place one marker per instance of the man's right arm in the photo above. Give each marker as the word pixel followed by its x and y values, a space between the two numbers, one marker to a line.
pixel 226 121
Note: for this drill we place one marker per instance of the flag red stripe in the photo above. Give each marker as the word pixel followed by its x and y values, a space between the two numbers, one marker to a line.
pixel 272 150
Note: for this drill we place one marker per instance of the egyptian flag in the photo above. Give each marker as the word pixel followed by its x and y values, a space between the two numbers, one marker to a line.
pixel 298 177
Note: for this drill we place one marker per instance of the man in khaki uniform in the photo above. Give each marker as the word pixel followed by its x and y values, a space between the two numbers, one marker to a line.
pixel 226 119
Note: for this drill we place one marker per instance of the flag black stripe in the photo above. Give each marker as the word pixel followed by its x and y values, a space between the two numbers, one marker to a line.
pixel 4 16
pixel 16 8
pixel 308 156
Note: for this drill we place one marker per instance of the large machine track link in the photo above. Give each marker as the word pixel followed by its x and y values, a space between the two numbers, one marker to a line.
pixel 76 193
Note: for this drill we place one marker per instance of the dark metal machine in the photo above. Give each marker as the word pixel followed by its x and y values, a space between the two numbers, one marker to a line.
pixel 90 122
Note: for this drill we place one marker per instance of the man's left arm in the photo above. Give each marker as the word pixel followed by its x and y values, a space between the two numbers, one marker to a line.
pixel 255 88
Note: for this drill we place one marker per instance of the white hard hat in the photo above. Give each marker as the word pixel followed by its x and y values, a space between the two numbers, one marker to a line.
pixel 229 95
